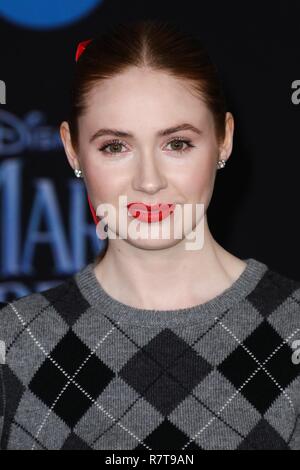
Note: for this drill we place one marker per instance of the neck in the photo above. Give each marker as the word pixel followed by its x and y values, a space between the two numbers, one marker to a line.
pixel 167 278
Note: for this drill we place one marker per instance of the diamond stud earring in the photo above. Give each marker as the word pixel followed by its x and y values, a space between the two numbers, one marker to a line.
pixel 78 173
pixel 221 164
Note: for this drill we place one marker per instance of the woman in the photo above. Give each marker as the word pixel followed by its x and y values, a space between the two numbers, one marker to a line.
pixel 156 344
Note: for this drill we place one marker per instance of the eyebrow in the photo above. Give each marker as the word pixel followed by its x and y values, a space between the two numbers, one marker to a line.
pixel 164 132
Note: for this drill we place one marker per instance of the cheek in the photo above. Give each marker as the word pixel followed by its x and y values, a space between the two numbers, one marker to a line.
pixel 105 185
pixel 196 182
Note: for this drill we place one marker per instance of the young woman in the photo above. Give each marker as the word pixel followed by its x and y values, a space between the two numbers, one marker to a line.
pixel 162 342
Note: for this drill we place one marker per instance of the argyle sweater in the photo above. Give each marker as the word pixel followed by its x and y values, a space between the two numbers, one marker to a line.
pixel 82 370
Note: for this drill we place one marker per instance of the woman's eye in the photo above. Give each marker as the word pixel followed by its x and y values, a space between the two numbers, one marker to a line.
pixel 115 147
pixel 177 145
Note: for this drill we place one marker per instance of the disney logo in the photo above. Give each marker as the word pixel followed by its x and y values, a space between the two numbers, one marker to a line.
pixel 29 133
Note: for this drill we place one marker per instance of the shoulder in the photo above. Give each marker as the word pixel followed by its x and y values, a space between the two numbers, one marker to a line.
pixel 279 289
pixel 35 310
pixel 276 299
pixel 282 281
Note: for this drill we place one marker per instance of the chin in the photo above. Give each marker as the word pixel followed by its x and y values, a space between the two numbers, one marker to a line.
pixel 159 244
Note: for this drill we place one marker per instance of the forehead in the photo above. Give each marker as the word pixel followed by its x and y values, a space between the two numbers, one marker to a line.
pixel 141 95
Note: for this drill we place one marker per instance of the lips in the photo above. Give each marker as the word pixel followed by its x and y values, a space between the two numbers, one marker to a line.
pixel 150 213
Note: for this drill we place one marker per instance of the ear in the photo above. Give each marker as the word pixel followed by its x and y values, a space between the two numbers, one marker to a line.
pixel 226 147
pixel 69 149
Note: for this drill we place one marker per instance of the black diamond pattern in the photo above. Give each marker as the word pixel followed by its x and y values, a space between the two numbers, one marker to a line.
pixel 64 297
pixel 93 377
pixel 16 389
pixel 267 295
pixel 261 390
pixel 73 442
pixel 263 437
pixel 165 370
pixel 167 436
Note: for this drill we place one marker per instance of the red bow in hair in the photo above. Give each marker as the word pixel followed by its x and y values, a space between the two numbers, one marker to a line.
pixel 80 48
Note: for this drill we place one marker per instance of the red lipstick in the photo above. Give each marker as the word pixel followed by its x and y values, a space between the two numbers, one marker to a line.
pixel 150 213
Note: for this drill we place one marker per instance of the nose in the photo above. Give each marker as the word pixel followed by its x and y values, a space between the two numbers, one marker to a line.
pixel 149 176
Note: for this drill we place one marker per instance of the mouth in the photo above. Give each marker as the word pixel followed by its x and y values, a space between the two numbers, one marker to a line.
pixel 150 213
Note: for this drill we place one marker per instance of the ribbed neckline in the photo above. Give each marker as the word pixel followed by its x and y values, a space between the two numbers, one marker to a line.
pixel 97 297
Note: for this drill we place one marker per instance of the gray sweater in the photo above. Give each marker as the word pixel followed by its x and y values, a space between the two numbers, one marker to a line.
pixel 81 370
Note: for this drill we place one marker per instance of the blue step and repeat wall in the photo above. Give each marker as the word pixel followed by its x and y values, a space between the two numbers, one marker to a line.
pixel 47 231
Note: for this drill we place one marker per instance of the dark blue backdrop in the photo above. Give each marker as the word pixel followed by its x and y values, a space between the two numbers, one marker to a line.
pixel 47 231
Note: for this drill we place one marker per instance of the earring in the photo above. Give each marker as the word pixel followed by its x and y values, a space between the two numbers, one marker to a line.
pixel 221 164
pixel 78 173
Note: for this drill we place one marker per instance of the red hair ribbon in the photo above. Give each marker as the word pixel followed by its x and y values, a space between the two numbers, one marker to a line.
pixel 80 48
pixel 95 217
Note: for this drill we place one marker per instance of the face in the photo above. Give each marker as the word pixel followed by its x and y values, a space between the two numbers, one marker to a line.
pixel 143 163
